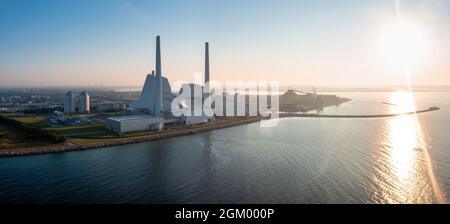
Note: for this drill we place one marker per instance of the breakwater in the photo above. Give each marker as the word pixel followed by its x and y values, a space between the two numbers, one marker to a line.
pixel 357 115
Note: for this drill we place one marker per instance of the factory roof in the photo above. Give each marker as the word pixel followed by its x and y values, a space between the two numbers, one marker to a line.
pixel 135 117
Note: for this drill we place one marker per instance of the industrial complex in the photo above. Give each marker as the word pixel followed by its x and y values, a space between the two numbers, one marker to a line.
pixel 153 107
pixel 158 104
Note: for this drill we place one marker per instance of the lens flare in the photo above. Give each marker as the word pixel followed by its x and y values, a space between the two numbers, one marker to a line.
pixel 403 45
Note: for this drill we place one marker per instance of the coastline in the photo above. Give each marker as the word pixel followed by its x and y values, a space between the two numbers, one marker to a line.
pixel 69 147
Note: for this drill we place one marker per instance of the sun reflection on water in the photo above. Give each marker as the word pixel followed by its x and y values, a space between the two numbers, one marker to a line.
pixel 405 173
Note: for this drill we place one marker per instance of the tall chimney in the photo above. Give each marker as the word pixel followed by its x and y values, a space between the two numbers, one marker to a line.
pixel 158 89
pixel 207 66
pixel 158 57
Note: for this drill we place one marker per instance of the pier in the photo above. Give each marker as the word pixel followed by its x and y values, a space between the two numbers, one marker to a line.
pixel 282 115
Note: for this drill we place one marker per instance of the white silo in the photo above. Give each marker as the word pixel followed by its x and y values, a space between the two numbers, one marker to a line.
pixel 84 102
pixel 69 103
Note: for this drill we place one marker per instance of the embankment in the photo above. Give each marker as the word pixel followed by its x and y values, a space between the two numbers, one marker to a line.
pixel 67 147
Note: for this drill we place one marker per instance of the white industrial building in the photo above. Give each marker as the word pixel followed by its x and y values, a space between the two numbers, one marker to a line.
pixel 149 96
pixel 153 107
pixel 69 103
pixel 197 119
pixel 84 102
pixel 156 95
pixel 194 105
pixel 133 123
pixel 74 103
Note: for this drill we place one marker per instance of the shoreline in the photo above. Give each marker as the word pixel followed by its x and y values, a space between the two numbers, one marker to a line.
pixel 70 147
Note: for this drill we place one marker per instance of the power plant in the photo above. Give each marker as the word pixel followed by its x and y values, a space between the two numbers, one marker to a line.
pixel 153 107
pixel 156 95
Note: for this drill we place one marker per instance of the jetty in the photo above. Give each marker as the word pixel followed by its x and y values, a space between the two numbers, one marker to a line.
pixel 282 115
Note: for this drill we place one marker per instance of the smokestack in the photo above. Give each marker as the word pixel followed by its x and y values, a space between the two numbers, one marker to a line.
pixel 158 89
pixel 158 57
pixel 207 66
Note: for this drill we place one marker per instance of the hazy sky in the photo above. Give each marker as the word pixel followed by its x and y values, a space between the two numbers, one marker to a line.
pixel 111 42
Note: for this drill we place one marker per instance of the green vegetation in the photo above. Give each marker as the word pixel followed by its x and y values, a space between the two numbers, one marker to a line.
pixel 106 134
pixel 4 142
pixel 140 133
pixel 35 121
pixel 97 131
pixel 78 129
pixel 37 131
pixel 31 131
pixel 82 141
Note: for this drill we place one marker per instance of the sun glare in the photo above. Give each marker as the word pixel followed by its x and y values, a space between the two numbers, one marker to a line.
pixel 403 44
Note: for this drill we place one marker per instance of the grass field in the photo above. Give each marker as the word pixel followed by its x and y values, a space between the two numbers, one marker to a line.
pixel 11 138
pixel 81 141
pixel 96 133
pixel 106 134
pixel 92 131
pixel 35 121
pixel 79 129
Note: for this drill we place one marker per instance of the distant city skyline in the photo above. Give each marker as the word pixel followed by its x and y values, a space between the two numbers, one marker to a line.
pixel 310 43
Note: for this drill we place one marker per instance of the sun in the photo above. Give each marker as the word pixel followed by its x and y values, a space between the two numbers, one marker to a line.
pixel 403 44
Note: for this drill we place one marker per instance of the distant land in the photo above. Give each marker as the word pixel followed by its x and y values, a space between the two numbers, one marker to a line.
pixel 387 88
pixel 305 88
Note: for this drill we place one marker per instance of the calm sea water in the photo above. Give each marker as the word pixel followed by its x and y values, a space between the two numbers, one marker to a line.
pixel 404 159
